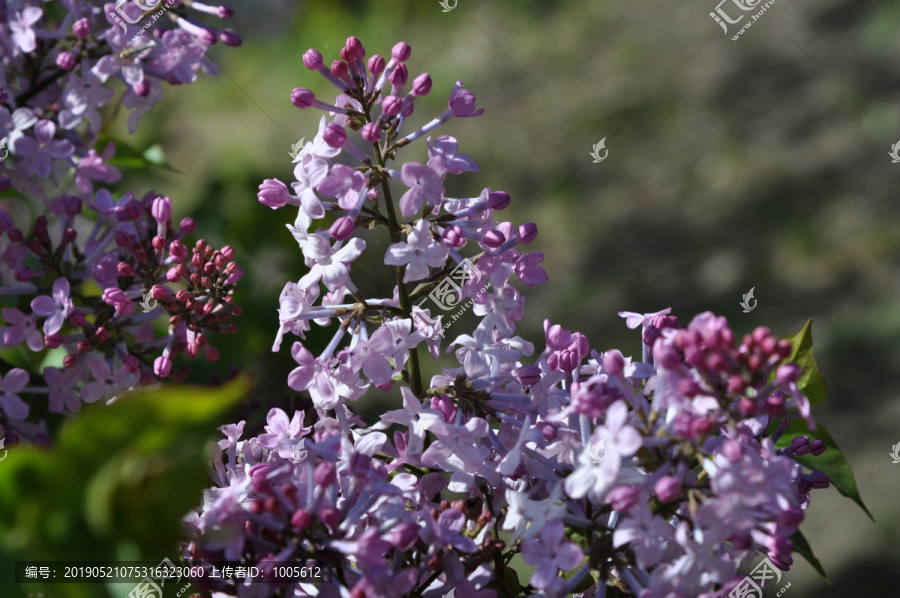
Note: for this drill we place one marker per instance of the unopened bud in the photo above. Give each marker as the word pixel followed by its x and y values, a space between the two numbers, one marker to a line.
pixel 188 225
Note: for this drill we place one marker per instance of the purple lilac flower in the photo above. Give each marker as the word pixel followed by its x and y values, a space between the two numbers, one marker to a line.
pixel 504 436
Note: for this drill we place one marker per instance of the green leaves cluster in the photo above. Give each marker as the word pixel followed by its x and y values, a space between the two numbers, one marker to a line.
pixel 114 487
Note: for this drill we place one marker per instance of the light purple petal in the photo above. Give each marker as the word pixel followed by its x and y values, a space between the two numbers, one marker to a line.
pixel 568 556
pixel 14 407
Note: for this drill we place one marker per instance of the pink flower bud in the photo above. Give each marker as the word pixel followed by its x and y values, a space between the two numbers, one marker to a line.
pixel 142 88
pixel 760 334
pixel 313 60
pixel 23 273
pixel 301 519
pixel 498 200
pixel 353 44
pixel 527 232
pixel 401 52
pixel 376 64
pixel 334 135
pixel 230 38
pixel 371 132
pixel 273 194
pixel 737 385
pixel 667 489
pixel 53 341
pixel 614 363
pixel 817 447
pixel 342 229
pixel 131 211
pixel 77 319
pixel 82 27
pixel 339 69
pixel 791 516
pixel 775 404
pixel 453 237
pixel 173 275
pixel 399 76
pixel 131 364
pixel 125 269
pixel 227 253
pixel 325 474
pixel 178 251
pixel 462 102
pixel 528 375
pixel 224 12
pixel 800 445
pixel 787 373
pixel 391 105
pixel 302 97
pixel 493 239
pixel 235 276
pixel 206 36
pixel 331 517
pixel 623 498
pixel 421 85
pixel 66 60
pixel 161 209
pixel 162 365
pixel 188 225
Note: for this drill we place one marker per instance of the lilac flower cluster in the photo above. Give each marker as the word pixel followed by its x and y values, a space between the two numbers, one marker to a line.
pixel 654 478
pixel 75 259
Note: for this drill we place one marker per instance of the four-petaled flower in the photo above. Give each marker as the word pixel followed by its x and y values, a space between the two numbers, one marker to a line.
pixel 106 384
pixel 44 148
pixel 21 26
pixel 21 328
pixel 14 382
pixel 419 253
pixel 55 308
pixel 620 440
pixel 425 184
pixel 330 264
pixel 550 551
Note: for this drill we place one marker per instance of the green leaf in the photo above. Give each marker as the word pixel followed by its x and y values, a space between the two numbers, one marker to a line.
pixel 832 462
pixel 512 580
pixel 129 157
pixel 116 484
pixel 811 382
pixel 154 155
pixel 802 547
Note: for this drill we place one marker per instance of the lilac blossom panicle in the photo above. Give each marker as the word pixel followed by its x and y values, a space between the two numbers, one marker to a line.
pixel 77 261
pixel 657 475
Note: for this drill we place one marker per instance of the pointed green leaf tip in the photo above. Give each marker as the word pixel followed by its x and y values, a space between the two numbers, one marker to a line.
pixel 811 383
pixel 802 547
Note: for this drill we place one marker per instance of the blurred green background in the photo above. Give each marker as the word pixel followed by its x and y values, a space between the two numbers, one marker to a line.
pixel 757 163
